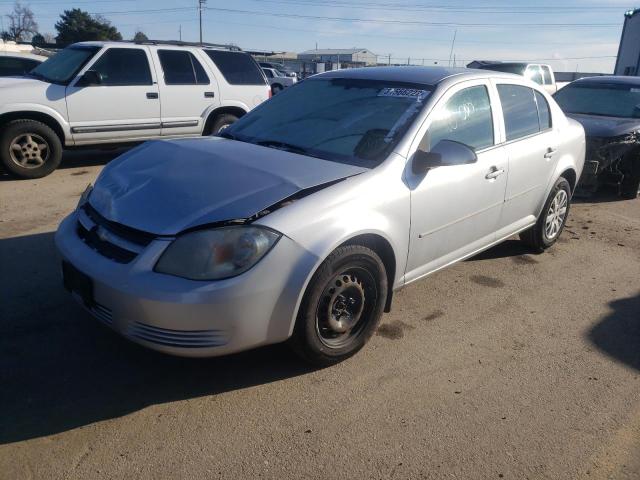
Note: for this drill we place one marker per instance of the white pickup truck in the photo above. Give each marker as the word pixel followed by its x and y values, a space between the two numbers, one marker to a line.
pixel 94 93
pixel 536 72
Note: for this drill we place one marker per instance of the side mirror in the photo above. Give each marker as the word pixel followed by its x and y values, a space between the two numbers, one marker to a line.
pixel 90 78
pixel 446 153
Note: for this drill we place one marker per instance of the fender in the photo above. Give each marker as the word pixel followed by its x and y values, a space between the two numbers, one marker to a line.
pixel 9 108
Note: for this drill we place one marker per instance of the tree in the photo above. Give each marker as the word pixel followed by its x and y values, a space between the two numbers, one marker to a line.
pixel 140 37
pixel 76 25
pixel 22 23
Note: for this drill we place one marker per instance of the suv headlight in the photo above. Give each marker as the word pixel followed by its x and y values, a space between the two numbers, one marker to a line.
pixel 217 253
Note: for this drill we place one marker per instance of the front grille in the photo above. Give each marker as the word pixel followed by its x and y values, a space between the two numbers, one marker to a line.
pixel 110 239
pixel 177 338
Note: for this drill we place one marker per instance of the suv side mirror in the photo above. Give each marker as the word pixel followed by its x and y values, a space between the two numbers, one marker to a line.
pixel 446 153
pixel 90 78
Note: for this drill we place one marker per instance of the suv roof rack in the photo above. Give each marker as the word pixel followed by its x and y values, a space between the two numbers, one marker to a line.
pixel 189 44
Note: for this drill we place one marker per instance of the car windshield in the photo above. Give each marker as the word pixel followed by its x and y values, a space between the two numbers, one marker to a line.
pixel 339 119
pixel 64 65
pixel 611 100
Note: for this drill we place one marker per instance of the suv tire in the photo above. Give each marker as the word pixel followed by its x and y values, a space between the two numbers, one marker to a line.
pixel 630 186
pixel 221 122
pixel 29 149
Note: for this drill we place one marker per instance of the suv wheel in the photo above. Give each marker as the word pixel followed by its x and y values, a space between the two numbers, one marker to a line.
pixel 29 149
pixel 341 307
pixel 554 215
pixel 221 122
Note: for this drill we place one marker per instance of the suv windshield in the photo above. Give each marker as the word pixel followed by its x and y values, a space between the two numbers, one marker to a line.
pixel 64 65
pixel 606 99
pixel 339 119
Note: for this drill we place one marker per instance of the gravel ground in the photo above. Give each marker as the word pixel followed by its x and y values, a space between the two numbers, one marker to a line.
pixel 509 365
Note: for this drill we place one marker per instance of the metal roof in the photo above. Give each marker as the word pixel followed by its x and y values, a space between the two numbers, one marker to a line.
pixel 337 51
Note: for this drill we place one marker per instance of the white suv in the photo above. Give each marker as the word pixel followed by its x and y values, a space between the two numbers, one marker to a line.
pixel 117 92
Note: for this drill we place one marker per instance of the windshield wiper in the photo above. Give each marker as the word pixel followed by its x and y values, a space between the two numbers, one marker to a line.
pixel 288 147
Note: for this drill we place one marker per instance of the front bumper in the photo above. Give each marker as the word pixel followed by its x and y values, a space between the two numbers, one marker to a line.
pixel 191 318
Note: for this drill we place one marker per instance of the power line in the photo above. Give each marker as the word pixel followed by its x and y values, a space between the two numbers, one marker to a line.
pixel 414 22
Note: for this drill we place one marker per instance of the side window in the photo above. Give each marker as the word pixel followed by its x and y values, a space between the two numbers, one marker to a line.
pixel 465 118
pixel 544 114
pixel 546 74
pixel 268 73
pixel 181 68
pixel 534 74
pixel 238 68
pixel 123 66
pixel 520 111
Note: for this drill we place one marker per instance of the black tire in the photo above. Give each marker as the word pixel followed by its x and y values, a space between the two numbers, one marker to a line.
pixel 537 237
pixel 630 186
pixel 36 158
pixel 352 281
pixel 276 88
pixel 221 122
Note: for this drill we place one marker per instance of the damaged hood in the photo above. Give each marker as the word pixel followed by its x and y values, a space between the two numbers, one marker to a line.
pixel 600 126
pixel 164 187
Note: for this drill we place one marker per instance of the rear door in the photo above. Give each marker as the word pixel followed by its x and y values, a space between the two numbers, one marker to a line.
pixel 126 105
pixel 187 92
pixel 531 144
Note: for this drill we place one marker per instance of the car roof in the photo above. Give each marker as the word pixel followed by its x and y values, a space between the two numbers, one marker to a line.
pixel 610 79
pixel 29 56
pixel 419 75
pixel 158 43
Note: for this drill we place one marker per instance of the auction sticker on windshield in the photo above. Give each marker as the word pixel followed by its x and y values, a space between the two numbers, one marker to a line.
pixel 404 93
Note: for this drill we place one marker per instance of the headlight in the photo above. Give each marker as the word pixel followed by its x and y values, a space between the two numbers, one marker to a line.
pixel 85 195
pixel 217 253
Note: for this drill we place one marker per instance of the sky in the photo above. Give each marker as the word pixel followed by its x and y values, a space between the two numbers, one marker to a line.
pixel 571 35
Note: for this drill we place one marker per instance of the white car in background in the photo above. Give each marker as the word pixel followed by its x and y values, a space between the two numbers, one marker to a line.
pixel 95 93
pixel 278 80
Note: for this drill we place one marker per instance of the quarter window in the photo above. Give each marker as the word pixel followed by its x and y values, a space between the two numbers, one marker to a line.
pixel 238 68
pixel 123 66
pixel 465 118
pixel 182 68
pixel 544 115
pixel 520 111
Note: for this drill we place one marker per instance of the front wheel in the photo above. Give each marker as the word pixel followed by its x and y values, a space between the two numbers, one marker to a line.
pixel 29 149
pixel 630 186
pixel 341 307
pixel 551 222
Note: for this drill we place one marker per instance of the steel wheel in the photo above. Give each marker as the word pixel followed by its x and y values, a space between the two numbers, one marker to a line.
pixel 29 150
pixel 556 215
pixel 345 304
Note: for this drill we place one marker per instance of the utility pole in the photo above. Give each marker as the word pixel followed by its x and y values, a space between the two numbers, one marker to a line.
pixel 200 8
pixel 453 42
pixel 180 32
pixel 389 62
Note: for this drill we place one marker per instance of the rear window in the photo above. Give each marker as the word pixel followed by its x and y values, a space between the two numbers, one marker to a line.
pixel 16 66
pixel 520 111
pixel 238 68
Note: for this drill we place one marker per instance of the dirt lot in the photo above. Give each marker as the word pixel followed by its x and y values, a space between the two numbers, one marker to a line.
pixel 510 365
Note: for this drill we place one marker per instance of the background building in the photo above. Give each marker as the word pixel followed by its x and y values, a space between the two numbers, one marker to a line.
pixel 350 56
pixel 628 62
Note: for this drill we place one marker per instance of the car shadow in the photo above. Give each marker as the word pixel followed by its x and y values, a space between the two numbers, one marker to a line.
pixel 508 248
pixel 60 369
pixel 618 334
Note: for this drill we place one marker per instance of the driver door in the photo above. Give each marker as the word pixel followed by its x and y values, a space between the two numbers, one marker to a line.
pixel 455 210
pixel 124 105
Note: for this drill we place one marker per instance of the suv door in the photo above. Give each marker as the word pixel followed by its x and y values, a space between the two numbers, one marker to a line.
pixel 455 210
pixel 124 105
pixel 188 93
pixel 531 144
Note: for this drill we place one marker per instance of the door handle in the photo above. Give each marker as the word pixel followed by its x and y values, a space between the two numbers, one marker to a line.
pixel 152 95
pixel 494 173
pixel 209 94
pixel 550 152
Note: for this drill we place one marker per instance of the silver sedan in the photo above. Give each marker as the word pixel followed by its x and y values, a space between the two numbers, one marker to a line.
pixel 300 220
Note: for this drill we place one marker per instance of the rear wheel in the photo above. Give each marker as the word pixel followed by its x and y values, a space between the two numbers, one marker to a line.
pixel 551 222
pixel 221 122
pixel 342 306
pixel 29 149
